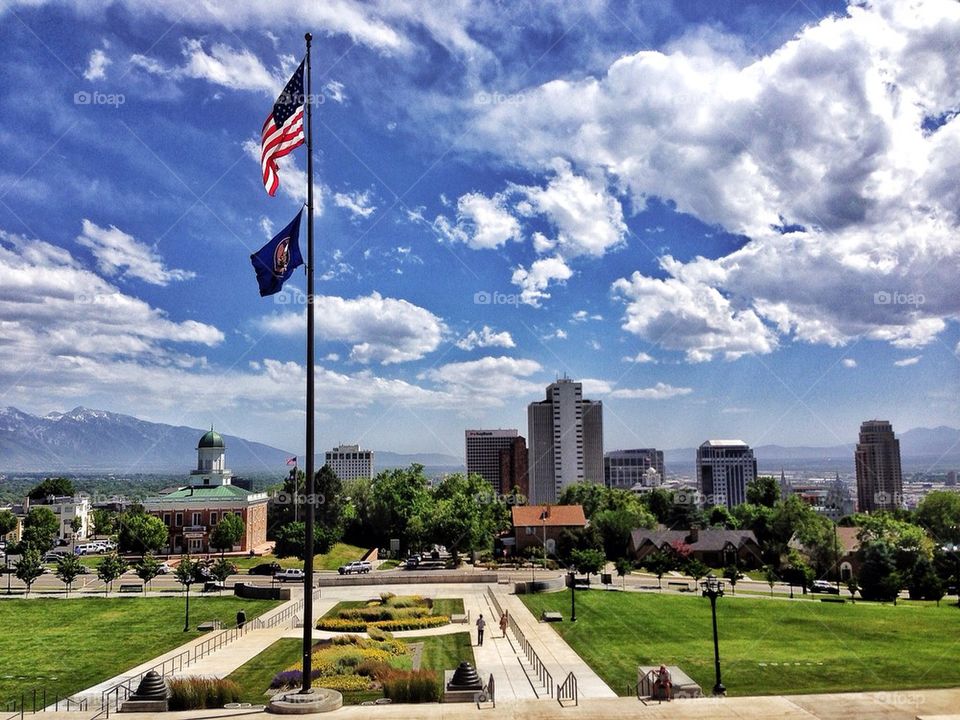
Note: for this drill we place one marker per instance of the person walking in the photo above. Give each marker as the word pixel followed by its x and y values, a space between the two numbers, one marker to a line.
pixel 504 621
pixel 481 624
pixel 241 619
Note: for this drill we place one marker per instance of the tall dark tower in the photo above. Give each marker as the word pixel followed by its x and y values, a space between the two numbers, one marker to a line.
pixel 879 475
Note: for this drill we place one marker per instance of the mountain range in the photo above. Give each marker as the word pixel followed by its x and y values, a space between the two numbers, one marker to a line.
pixel 85 440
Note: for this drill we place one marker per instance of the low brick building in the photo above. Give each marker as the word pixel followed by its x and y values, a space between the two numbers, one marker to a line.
pixel 192 511
pixel 539 525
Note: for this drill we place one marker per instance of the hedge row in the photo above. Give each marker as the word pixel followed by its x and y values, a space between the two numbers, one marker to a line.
pixel 357 625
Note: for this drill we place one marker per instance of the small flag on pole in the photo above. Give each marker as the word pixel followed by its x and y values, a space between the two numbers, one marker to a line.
pixel 276 261
pixel 283 130
pixel 292 461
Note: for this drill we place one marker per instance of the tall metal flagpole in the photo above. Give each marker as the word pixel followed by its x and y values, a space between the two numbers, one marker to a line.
pixel 310 481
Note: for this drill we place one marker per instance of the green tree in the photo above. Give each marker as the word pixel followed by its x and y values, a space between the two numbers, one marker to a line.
pixel 879 579
pixel 400 495
pixel 227 533
pixel 329 503
pixel 185 571
pixel 623 567
pixel 733 575
pixel 587 494
pixel 76 524
pixel 660 563
pixel 589 561
pixel 148 568
pixel 29 567
pixel 906 541
pixel 464 515
pixel 923 582
pixel 719 516
pixel 8 523
pixel 141 533
pixel 616 525
pixel 939 513
pixel 68 568
pixel 696 569
pixel 40 529
pixel 109 569
pixel 771 576
pixel 660 503
pixel 586 538
pixel 764 491
pixel 358 513
pixel 105 522
pixel 52 487
pixel 222 569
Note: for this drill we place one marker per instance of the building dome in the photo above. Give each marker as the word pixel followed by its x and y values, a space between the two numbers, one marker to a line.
pixel 211 439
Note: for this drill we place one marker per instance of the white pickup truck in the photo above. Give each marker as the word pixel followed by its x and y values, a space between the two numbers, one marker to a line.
pixel 357 566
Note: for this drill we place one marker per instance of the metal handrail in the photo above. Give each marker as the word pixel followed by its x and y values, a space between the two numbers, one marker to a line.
pixel 569 690
pixel 546 679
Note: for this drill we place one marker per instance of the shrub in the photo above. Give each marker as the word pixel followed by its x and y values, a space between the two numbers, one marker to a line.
pixel 373 614
pixel 415 686
pixel 408 601
pixel 287 678
pixel 386 597
pixel 197 693
pixel 374 670
pixel 358 625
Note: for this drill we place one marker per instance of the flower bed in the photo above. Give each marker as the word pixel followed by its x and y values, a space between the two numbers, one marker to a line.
pixel 390 613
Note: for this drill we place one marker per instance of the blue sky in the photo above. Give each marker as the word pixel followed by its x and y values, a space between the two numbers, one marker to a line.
pixel 726 219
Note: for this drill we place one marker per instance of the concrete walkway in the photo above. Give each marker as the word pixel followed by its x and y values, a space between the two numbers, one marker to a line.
pixel 919 704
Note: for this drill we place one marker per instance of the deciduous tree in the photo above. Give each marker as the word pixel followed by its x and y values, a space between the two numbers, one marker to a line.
pixel 227 533
pixel 29 567
pixel 110 568
pixel 68 568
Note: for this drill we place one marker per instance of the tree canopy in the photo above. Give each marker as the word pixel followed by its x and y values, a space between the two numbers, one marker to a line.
pixel 52 487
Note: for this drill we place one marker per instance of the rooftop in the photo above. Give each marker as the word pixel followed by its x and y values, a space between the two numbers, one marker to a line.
pixel 208 492
pixel 549 515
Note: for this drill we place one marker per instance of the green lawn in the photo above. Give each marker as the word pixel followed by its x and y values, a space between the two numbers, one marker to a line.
pixel 339 554
pixel 388 565
pixel 766 646
pixel 440 652
pixel 69 645
pixel 448 606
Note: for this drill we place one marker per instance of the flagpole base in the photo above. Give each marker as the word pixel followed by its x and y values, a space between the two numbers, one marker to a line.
pixel 294 702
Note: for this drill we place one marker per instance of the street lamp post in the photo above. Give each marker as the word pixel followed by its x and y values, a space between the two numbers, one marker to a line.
pixel 712 588
pixel 573 595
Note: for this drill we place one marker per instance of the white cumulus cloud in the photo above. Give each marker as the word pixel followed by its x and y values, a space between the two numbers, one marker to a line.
pixel 118 253
pixel 487 337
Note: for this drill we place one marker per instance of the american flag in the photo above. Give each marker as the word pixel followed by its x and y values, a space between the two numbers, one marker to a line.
pixel 283 130
pixel 292 461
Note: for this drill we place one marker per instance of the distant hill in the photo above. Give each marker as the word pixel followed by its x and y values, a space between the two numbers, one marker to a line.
pixel 85 440
pixel 384 459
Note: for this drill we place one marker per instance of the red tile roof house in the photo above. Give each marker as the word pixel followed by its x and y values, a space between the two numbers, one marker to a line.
pixel 848 543
pixel 716 548
pixel 532 522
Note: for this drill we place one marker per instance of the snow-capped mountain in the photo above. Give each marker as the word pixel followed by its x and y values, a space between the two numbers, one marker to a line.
pixel 85 439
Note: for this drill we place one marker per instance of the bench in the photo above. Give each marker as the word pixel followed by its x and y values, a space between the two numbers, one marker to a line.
pixel 682 586
pixel 546 616
pixel 131 587
pixel 209 625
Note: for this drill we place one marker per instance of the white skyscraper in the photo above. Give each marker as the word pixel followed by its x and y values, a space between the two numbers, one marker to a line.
pixel 349 462
pixel 724 467
pixel 483 452
pixel 565 433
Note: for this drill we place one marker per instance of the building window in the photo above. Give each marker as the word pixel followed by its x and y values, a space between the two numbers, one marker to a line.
pixel 179 520
pixel 166 519
pixel 213 518
pixel 196 519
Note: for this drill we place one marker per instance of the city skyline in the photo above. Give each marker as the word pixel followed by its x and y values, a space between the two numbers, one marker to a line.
pixel 745 261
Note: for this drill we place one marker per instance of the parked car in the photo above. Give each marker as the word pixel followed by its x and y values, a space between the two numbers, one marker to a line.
pixel 289 574
pixel 53 556
pixel 823 586
pixel 88 549
pixel 357 566
pixel 164 569
pixel 270 568
pixel 412 562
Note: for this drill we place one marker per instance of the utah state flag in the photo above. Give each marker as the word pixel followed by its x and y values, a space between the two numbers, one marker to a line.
pixel 276 261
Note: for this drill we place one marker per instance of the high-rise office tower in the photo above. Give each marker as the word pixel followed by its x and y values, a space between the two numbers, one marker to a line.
pixel 349 462
pixel 626 468
pixel 879 475
pixel 724 467
pixel 483 453
pixel 565 433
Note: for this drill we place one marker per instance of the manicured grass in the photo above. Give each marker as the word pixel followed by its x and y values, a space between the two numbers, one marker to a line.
pixel 444 652
pixel 388 565
pixel 69 645
pixel 766 646
pixel 339 554
pixel 448 606
pixel 255 675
